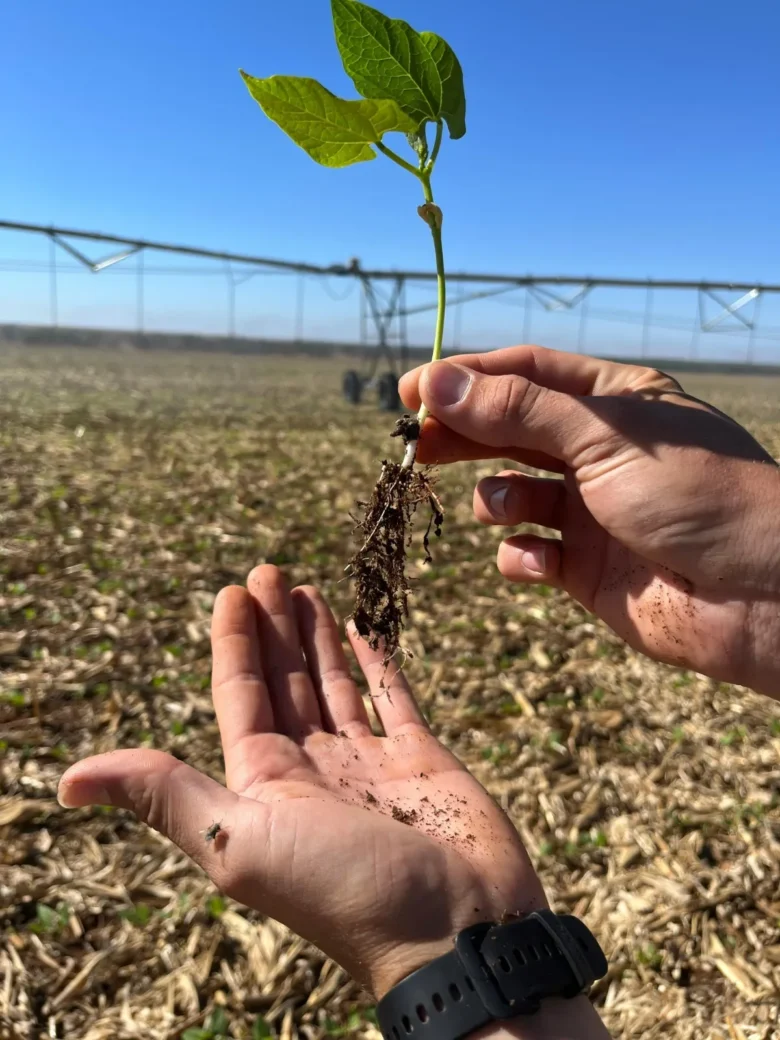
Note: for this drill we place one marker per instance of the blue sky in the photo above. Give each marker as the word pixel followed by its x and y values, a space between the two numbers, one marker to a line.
pixel 604 138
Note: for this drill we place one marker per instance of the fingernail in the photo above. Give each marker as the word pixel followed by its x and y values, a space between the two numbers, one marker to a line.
pixel 74 796
pixel 497 502
pixel 447 383
pixel 535 560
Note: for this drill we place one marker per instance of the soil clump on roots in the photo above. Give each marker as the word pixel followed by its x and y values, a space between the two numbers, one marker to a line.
pixel 378 568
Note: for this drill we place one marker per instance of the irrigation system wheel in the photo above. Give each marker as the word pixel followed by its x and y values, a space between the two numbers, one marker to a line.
pixel 352 387
pixel 387 390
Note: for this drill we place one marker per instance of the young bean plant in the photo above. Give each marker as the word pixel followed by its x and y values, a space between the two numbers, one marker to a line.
pixel 410 82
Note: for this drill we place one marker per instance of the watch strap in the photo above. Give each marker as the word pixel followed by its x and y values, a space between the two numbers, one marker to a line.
pixel 494 972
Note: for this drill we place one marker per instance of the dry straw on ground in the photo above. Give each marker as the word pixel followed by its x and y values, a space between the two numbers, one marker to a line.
pixel 132 487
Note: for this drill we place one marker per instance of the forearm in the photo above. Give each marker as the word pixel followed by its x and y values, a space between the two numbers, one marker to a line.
pixel 556 1020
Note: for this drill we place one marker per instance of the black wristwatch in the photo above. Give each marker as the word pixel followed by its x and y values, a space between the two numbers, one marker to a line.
pixel 495 971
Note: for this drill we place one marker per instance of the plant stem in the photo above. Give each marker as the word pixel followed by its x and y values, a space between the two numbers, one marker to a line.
pixel 441 284
pixel 397 159
pixel 433 219
pixel 436 147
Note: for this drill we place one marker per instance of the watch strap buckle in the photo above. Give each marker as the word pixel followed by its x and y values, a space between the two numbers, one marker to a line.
pixel 468 948
pixel 581 968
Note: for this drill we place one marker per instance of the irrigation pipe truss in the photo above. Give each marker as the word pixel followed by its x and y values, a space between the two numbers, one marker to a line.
pixel 383 308
pixel 135 245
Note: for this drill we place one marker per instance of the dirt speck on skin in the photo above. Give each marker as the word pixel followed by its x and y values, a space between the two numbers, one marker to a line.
pixel 409 816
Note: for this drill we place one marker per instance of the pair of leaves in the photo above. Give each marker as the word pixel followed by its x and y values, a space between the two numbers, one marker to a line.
pixel 406 78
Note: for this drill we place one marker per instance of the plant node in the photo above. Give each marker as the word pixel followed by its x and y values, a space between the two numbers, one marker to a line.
pixel 431 214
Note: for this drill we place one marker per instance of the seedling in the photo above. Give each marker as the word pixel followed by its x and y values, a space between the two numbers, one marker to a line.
pixel 50 921
pixel 138 914
pixel 408 81
pixel 215 1028
pixel 215 906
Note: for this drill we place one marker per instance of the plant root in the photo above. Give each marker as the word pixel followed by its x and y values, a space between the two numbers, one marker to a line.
pixel 378 568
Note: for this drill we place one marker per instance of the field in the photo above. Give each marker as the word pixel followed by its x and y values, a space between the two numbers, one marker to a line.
pixel 132 487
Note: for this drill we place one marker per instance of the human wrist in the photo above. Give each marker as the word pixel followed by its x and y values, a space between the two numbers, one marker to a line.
pixel 760 667
pixel 397 963
pixel 556 1019
pixel 757 557
pixel 486 952
pixel 761 662
pixel 391 962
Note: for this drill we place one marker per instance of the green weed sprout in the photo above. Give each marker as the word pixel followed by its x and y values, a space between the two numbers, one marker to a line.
pixel 409 81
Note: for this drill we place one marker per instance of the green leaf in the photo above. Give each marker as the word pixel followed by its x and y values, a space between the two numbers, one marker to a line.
pixel 197 1034
pixel 260 1029
pixel 354 1021
pixel 50 921
pixel 14 697
pixel 218 1022
pixel 334 132
pixel 139 914
pixel 215 906
pixel 385 57
pixel 453 102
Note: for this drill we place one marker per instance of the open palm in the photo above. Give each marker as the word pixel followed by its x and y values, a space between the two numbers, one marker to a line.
pixel 377 848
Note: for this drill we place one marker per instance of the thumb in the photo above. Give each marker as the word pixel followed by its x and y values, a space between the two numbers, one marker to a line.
pixel 509 411
pixel 169 795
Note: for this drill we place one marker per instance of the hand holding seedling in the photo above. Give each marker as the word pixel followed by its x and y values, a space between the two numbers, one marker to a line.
pixel 409 80
pixel 376 848
pixel 667 512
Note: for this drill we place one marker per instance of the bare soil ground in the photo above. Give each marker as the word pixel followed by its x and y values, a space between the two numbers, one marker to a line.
pixel 132 487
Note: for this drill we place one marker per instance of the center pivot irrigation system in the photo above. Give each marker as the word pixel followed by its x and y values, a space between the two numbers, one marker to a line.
pixel 383 306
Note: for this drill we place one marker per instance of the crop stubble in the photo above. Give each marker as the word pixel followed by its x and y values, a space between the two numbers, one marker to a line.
pixel 133 487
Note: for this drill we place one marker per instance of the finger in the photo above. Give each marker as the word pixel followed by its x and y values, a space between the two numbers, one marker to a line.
pixel 526 558
pixel 238 688
pixel 391 697
pixel 514 498
pixel 341 703
pixel 439 445
pixel 558 370
pixel 169 795
pixel 510 411
pixel 295 706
